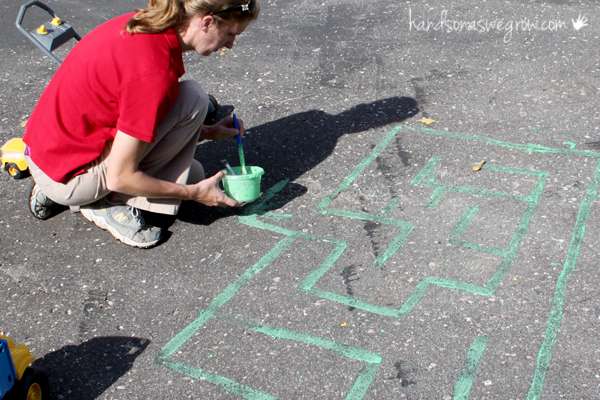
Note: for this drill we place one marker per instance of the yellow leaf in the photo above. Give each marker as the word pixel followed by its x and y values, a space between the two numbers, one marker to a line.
pixel 478 166
pixel 427 121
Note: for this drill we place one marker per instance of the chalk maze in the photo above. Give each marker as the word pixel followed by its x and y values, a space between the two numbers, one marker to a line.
pixel 259 217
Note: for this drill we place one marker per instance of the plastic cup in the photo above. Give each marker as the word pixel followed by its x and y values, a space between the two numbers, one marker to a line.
pixel 243 188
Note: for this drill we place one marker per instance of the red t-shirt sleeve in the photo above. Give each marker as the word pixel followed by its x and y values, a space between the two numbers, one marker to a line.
pixel 144 101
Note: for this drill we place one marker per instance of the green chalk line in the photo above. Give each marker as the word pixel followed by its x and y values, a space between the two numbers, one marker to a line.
pixel 464 383
pixel 229 385
pixel 223 298
pixel 354 353
pixel 395 244
pixel 463 223
pixel 391 206
pixel 558 301
pixel 365 377
pixel 362 382
pixel 426 178
pixel 360 168
pixel 278 216
pixel 525 148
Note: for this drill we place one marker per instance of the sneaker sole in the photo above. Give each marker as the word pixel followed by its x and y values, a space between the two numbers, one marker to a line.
pixel 102 224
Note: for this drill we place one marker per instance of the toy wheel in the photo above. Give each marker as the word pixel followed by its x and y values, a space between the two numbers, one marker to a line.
pixel 15 172
pixel 33 385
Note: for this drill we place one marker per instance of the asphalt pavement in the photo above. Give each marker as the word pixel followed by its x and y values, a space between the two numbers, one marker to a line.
pixel 428 229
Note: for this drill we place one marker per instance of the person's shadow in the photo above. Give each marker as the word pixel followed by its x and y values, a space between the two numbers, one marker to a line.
pixel 289 147
pixel 86 370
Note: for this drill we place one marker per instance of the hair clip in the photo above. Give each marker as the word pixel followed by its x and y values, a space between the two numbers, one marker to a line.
pixel 243 8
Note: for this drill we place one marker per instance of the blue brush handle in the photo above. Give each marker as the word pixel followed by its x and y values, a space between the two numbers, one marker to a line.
pixel 236 125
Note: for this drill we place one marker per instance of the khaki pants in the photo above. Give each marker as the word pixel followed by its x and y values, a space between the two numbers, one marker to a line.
pixel 170 157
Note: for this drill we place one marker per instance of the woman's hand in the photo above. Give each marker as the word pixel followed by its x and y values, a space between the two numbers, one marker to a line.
pixel 207 192
pixel 222 129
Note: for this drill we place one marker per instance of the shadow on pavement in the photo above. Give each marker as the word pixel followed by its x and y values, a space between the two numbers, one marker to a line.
pixel 291 146
pixel 86 370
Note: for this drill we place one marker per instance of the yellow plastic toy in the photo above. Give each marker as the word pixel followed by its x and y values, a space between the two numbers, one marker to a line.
pixel 19 380
pixel 12 156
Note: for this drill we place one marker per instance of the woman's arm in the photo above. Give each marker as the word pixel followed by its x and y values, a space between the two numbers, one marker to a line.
pixel 123 176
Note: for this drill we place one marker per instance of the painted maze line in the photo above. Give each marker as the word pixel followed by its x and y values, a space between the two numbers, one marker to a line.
pixel 425 178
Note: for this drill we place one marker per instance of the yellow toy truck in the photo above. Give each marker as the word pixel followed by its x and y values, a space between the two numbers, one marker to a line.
pixel 19 380
pixel 12 157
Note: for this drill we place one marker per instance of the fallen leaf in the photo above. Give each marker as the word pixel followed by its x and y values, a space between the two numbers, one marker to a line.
pixel 478 166
pixel 427 121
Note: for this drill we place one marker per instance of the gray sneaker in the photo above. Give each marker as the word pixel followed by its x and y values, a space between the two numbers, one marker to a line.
pixel 40 205
pixel 124 222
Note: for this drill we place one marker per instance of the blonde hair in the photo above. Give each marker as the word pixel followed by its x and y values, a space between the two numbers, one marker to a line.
pixel 160 15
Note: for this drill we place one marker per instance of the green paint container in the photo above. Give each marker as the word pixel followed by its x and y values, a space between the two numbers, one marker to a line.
pixel 244 188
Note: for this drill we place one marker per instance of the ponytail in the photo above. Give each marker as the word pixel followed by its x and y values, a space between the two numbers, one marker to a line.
pixel 158 16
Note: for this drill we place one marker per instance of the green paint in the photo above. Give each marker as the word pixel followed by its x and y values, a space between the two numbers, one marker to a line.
pixel 526 148
pixel 395 244
pixel 312 278
pixel 354 353
pixel 360 168
pixel 391 206
pixel 229 385
pixel 426 177
pixel 260 207
pixel 464 383
pixel 242 158
pixel 363 381
pixel 569 144
pixel 363 216
pixel 224 297
pixel 278 216
pixel 436 197
pixel 253 221
pixel 463 223
pixel 558 301
pixel 353 302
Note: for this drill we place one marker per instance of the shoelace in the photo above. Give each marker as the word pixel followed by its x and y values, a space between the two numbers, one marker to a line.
pixel 137 215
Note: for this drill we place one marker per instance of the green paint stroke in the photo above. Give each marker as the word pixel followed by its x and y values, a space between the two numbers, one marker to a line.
pixel 314 276
pixel 525 148
pixel 261 206
pixel 558 301
pixel 463 223
pixel 360 168
pixel 391 206
pixel 229 385
pixel 395 244
pixel 224 297
pixel 464 383
pixel 354 353
pixel 365 378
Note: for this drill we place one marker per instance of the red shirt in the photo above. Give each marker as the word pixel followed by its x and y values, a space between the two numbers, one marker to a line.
pixel 110 81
